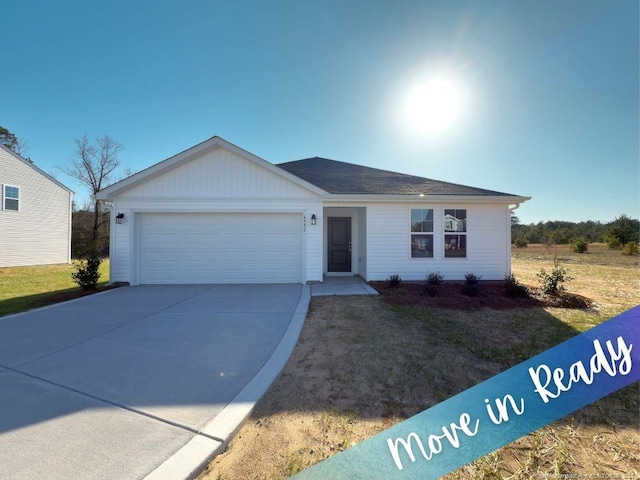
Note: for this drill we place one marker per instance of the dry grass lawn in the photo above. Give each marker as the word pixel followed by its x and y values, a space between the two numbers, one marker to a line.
pixel 362 365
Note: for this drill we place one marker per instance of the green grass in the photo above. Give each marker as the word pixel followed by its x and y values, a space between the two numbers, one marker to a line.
pixel 25 288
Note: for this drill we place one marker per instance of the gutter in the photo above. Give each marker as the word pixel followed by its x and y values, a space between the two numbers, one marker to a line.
pixel 372 198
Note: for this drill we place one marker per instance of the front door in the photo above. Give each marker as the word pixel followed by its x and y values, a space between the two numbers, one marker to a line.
pixel 339 245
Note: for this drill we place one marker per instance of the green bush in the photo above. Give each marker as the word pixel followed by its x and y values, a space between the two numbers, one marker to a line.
pixel 630 248
pixel 393 281
pixel 622 231
pixel 432 283
pixel 553 283
pixel 521 242
pixel 471 285
pixel 580 245
pixel 86 274
pixel 612 242
pixel 513 288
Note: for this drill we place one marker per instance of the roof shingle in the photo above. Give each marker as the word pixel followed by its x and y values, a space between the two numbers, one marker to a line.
pixel 346 178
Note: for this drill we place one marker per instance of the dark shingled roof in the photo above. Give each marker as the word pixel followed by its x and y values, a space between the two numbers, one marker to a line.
pixel 347 178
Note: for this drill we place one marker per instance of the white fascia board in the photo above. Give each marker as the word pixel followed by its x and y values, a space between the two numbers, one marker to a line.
pixel 366 199
pixel 116 189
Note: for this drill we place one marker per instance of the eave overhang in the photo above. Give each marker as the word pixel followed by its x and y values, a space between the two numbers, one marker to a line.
pixel 353 199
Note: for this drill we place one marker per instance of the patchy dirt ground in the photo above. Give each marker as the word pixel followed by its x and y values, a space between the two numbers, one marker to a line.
pixel 363 364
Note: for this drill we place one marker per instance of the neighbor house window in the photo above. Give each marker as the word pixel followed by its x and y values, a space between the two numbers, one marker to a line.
pixel 455 233
pixel 11 197
pixel 421 233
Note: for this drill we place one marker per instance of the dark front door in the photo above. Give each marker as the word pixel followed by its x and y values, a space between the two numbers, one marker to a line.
pixel 339 249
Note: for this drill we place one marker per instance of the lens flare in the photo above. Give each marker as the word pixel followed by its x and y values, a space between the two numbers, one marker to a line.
pixel 432 107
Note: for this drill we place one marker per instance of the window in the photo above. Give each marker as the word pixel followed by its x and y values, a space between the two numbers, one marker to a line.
pixel 11 198
pixel 421 233
pixel 455 233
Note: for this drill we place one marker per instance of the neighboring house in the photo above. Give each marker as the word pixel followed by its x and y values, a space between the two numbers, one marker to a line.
pixel 216 213
pixel 35 214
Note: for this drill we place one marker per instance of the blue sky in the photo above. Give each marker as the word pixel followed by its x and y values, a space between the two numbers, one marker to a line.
pixel 549 88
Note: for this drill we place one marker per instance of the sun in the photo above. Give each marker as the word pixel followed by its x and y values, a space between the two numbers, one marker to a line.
pixel 433 106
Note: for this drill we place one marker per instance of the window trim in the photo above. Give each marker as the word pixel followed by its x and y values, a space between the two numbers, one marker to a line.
pixel 446 233
pixel 421 234
pixel 5 198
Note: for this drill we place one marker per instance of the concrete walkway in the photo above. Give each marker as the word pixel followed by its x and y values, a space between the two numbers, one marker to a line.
pixel 140 381
pixel 342 285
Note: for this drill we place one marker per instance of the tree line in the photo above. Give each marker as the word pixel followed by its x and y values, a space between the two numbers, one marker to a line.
pixel 616 233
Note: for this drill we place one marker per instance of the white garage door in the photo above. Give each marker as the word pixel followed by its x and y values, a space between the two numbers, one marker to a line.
pixel 219 248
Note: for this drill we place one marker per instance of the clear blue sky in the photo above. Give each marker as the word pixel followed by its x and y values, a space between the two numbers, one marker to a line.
pixel 550 104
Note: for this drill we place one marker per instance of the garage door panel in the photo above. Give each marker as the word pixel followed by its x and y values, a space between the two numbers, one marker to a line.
pixel 220 248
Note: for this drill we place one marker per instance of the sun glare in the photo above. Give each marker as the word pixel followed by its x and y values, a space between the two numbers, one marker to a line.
pixel 432 107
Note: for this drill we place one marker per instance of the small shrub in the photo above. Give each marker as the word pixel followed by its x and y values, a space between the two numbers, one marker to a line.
pixel 471 285
pixel 521 242
pixel 580 245
pixel 613 242
pixel 553 283
pixel 393 281
pixel 86 274
pixel 432 284
pixel 513 288
pixel 630 248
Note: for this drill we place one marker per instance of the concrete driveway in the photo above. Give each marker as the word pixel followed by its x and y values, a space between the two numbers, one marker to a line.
pixel 139 381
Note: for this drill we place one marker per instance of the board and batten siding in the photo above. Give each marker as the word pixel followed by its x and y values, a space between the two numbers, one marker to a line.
pixel 389 248
pixel 217 181
pixel 218 173
pixel 39 233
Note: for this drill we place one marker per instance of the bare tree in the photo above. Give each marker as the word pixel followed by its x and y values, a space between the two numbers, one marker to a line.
pixel 18 145
pixel 94 164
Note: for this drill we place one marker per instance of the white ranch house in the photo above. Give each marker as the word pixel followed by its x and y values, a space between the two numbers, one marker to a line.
pixel 35 214
pixel 216 213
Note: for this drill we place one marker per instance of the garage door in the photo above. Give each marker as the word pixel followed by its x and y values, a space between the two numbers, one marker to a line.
pixel 219 248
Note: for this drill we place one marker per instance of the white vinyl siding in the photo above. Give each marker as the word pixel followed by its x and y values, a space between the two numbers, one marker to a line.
pixel 389 251
pixel 220 248
pixel 217 173
pixel 216 182
pixel 39 232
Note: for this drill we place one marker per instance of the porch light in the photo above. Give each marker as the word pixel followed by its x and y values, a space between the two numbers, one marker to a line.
pixel 119 218
pixel 314 220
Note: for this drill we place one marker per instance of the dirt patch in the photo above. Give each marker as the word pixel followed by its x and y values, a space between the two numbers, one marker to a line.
pixel 336 390
pixel 362 365
pixel 490 295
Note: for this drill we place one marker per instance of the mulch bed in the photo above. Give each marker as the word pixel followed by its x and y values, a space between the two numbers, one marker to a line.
pixel 491 295
pixel 70 294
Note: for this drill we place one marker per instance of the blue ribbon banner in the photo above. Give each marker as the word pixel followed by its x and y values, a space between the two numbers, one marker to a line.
pixel 497 411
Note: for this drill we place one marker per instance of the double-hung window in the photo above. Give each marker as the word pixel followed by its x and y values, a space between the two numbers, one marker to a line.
pixel 421 233
pixel 10 198
pixel 455 233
